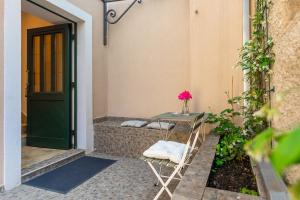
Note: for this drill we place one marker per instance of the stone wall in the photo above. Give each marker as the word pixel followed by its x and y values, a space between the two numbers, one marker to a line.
pixel 285 30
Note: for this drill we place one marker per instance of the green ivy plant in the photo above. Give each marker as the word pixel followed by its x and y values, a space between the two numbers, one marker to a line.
pixel 232 140
pixel 256 59
pixel 230 147
pixel 245 190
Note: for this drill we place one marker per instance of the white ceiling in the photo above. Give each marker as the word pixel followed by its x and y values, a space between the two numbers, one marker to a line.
pixel 42 13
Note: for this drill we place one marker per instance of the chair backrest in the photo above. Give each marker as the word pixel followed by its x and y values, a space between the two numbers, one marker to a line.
pixel 197 122
pixel 195 132
pixel 186 153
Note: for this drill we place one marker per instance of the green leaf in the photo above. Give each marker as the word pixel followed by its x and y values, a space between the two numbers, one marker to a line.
pixel 259 146
pixel 245 190
pixel 219 162
pixel 287 151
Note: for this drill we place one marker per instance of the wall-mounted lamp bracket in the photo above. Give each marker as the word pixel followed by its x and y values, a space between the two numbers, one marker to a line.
pixel 110 16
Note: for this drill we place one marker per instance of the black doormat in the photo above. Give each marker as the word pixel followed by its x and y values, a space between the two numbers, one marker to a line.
pixel 71 175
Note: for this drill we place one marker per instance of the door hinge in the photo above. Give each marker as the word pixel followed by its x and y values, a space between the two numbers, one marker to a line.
pixel 73 132
pixel 73 84
pixel 73 36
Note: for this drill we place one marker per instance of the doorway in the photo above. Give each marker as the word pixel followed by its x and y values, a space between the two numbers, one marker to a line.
pixel 48 89
pixel 12 86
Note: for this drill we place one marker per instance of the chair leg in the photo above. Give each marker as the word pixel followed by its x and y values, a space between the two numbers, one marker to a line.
pixel 164 184
pixel 179 174
pixel 157 182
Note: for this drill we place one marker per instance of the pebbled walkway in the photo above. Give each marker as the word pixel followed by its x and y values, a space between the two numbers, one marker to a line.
pixel 126 179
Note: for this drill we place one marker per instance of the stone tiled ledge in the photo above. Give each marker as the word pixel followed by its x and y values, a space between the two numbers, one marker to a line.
pixel 259 180
pixel 112 139
pixel 274 186
pixel 119 120
pixel 193 184
pixel 216 194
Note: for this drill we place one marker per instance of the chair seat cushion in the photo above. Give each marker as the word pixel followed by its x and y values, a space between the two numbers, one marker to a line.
pixel 161 125
pixel 170 150
pixel 134 123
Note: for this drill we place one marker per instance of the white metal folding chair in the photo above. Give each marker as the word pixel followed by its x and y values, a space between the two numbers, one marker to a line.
pixel 190 147
pixel 177 170
pixel 198 129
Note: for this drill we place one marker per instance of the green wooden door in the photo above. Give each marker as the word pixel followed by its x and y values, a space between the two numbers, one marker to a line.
pixel 49 87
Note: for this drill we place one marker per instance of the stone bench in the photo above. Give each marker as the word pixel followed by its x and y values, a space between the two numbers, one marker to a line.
pixel 111 138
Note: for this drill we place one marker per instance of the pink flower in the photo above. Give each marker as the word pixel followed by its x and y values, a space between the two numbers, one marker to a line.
pixel 185 95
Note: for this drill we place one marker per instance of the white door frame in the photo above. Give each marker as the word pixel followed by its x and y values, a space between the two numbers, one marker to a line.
pixel 12 82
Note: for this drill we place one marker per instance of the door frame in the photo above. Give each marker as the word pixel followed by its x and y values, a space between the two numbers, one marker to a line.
pixel 12 82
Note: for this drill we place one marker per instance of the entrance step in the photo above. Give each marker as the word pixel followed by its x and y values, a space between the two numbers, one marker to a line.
pixel 50 164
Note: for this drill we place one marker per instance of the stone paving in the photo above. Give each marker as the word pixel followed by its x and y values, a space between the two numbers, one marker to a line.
pixel 126 179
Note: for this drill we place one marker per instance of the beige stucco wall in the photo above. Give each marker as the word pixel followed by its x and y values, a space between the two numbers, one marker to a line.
pixel 216 35
pixel 285 30
pixel 163 47
pixel 1 92
pixel 148 59
pixel 159 49
pixel 28 21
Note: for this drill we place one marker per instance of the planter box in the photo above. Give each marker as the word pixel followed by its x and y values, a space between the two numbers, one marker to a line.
pixel 193 185
pixel 274 185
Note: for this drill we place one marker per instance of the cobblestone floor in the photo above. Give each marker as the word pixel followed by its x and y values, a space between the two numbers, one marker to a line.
pixel 126 179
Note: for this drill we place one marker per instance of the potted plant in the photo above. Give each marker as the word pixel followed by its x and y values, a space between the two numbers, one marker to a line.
pixel 185 96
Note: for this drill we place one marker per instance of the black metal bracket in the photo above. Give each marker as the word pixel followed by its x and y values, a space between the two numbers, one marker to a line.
pixel 110 16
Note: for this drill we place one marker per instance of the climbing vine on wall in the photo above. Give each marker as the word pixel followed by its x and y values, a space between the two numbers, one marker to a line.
pixel 256 59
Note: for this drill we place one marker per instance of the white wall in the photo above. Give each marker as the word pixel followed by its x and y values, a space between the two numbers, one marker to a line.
pixel 1 92
pixel 12 93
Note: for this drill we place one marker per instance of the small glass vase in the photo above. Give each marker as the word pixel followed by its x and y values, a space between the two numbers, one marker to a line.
pixel 185 107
